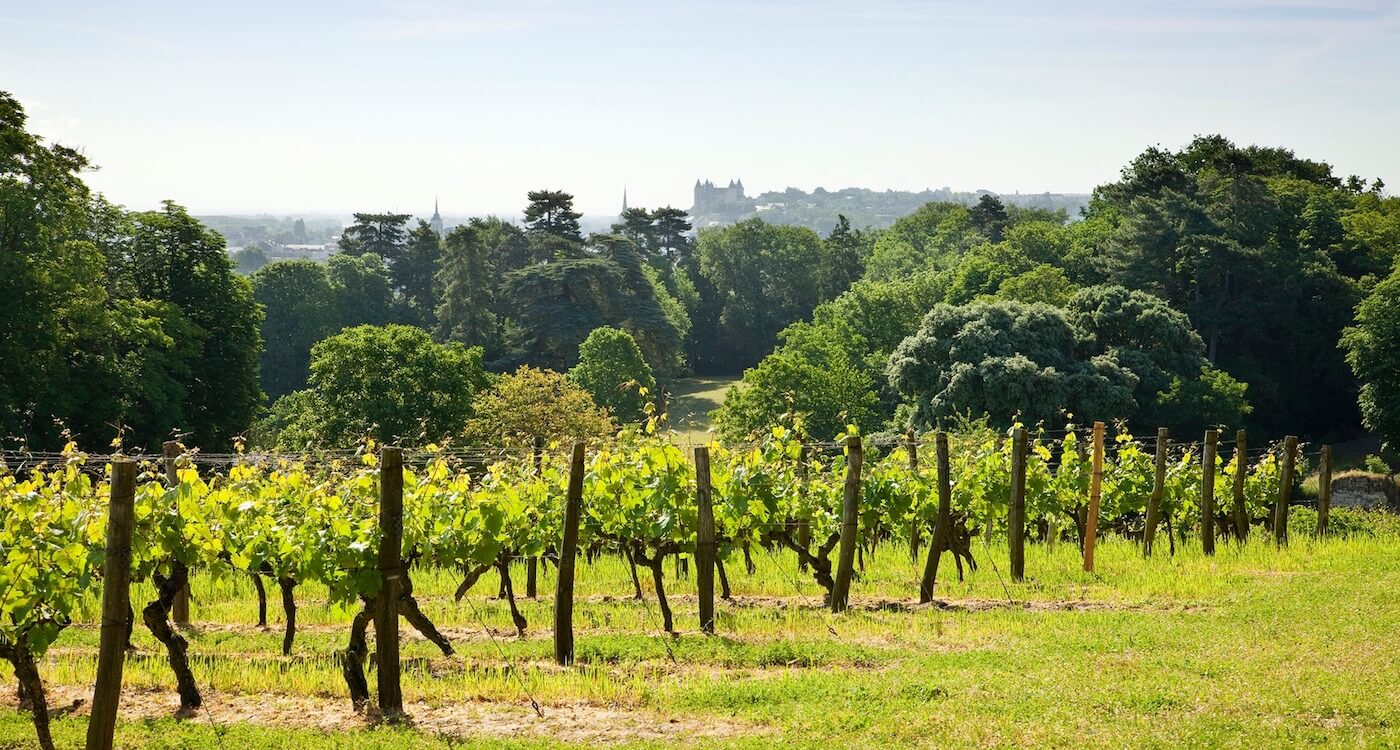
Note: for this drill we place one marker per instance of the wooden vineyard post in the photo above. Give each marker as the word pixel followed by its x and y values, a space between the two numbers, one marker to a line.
pixel 180 608
pixel 911 444
pixel 1208 492
pixel 532 565
pixel 1324 490
pixel 850 526
pixel 1285 489
pixel 386 615
pixel 1016 516
pixel 942 529
pixel 1091 525
pixel 704 540
pixel 1159 482
pixel 1241 511
pixel 568 550
pixel 116 598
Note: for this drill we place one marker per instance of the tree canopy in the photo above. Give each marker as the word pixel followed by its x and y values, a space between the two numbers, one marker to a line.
pixel 611 368
pixel 1373 350
pixel 391 383
pixel 1114 354
pixel 531 404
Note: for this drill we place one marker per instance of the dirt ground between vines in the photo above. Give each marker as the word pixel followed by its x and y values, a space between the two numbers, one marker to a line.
pixel 570 723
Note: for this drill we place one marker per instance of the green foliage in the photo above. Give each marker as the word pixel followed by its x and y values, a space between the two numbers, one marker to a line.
pixel 414 272
pixel 1004 360
pixel 392 383
pixel 551 213
pixel 921 241
pixel 466 310
pixel 172 258
pixel 116 325
pixel 813 377
pixel 249 260
pixel 1373 350
pixel 304 302
pixel 1042 283
pixel 384 235
pixel 764 277
pixel 611 368
pixel 554 306
pixel 363 292
pixel 298 308
pixel 1141 333
pixel 1251 243
pixel 1377 465
pixel 530 404
pixel 1110 354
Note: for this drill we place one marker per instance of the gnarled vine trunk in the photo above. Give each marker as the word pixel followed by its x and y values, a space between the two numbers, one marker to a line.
pixel 262 599
pixel 819 562
pixel 352 664
pixel 636 582
pixel 31 690
pixel 508 588
pixel 156 615
pixel 289 606
pixel 409 610
pixel 723 580
pixel 655 562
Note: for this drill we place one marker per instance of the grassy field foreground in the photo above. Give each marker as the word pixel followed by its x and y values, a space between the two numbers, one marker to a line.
pixel 1255 647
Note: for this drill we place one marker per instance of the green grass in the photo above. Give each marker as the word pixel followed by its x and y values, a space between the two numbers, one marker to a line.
pixel 692 400
pixel 1257 646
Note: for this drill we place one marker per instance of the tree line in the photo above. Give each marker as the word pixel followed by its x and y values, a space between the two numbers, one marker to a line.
pixel 1216 284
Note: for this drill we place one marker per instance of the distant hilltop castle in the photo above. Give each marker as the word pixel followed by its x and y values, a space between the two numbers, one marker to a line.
pixel 715 205
pixel 711 198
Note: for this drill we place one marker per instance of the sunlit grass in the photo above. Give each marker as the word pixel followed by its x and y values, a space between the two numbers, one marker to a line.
pixel 1253 646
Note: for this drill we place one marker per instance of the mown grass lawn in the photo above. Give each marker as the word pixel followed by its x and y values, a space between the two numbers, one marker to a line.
pixel 692 400
pixel 1256 647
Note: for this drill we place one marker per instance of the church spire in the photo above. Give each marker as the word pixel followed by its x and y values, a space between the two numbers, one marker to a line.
pixel 624 200
pixel 436 221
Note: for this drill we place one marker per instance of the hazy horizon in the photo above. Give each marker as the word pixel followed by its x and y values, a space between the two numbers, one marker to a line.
pixel 377 105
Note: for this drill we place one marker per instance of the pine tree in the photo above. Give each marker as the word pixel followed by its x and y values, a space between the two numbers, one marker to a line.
pixel 464 282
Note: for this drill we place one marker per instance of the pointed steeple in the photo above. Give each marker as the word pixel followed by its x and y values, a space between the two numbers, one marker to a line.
pixel 624 201
pixel 436 221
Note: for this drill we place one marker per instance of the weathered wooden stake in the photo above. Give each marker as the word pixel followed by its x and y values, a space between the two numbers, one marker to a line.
pixel 386 615
pixel 1159 480
pixel 1212 440
pixel 942 529
pixel 911 443
pixel 1285 489
pixel 1091 524
pixel 1241 510
pixel 1324 491
pixel 1016 514
pixel 704 540
pixel 568 550
pixel 116 581
pixel 850 526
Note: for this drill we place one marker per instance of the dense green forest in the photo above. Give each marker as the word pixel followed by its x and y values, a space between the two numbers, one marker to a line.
pixel 1217 284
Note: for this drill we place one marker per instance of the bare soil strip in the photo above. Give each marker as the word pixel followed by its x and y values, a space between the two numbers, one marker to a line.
pixel 573 722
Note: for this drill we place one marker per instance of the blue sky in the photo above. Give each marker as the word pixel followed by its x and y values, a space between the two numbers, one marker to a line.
pixel 378 104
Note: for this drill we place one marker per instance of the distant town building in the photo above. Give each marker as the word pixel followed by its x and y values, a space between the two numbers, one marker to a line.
pixel 710 197
pixel 436 221
pixel 715 205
